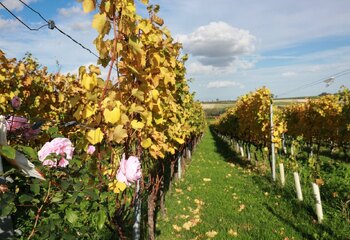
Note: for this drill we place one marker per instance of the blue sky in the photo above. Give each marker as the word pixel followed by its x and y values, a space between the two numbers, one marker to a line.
pixel 234 46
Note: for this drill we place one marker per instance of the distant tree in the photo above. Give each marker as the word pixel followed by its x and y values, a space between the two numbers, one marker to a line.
pixel 324 94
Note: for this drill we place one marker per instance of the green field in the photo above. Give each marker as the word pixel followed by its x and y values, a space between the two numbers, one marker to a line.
pixel 223 197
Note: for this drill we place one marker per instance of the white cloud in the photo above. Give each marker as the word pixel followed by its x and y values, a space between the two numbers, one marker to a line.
pixel 224 84
pixel 8 24
pixel 315 68
pixel 289 74
pixel 80 26
pixel 218 44
pixel 16 5
pixel 72 11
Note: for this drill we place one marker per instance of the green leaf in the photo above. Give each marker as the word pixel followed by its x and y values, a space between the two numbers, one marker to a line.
pixel 52 130
pixel 30 152
pixel 57 198
pixel 7 209
pixel 101 219
pixel 8 152
pixel 35 188
pixel 25 198
pixel 71 216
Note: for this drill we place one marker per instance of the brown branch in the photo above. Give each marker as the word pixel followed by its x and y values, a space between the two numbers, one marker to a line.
pixel 39 211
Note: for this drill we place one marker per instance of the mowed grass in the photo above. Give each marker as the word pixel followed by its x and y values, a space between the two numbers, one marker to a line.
pixel 221 198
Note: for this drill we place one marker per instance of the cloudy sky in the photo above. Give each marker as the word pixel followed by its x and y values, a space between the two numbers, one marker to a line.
pixel 289 46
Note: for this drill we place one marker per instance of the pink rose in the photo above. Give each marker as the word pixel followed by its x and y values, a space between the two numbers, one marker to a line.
pixel 91 149
pixel 63 163
pixel 15 123
pixel 129 170
pixel 61 147
pixel 16 102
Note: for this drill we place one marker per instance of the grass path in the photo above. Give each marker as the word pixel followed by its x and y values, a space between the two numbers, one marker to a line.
pixel 219 198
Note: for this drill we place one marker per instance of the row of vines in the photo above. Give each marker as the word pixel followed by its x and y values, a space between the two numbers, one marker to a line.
pixel 318 128
pixel 323 121
pixel 106 146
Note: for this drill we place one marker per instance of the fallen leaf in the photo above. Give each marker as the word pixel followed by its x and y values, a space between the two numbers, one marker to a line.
pixel 187 225
pixel 177 228
pixel 178 190
pixel 206 179
pixel 232 233
pixel 241 208
pixel 211 234
pixel 319 182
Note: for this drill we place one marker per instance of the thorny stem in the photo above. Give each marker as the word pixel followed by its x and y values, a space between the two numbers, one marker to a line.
pixel 39 211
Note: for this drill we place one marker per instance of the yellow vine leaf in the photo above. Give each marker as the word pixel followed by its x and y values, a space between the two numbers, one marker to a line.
pixel 88 6
pixel 136 45
pixel 77 113
pixel 157 20
pixel 99 22
pixel 155 94
pixel 119 133
pixel 145 26
pixel 158 120
pixel 95 136
pixel 107 6
pixel 89 82
pixel 88 111
pixel 131 7
pixel 137 125
pixel 60 97
pixel 179 140
pixel 146 143
pixel 112 116
pixel 94 69
pixel 119 187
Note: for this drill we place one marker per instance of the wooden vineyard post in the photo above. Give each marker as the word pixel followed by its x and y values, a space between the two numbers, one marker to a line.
pixel 319 211
pixel 188 153
pixel 241 150
pixel 273 159
pixel 284 144
pixel 248 153
pixel 179 167
pixel 137 221
pixel 298 186
pixel 283 179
